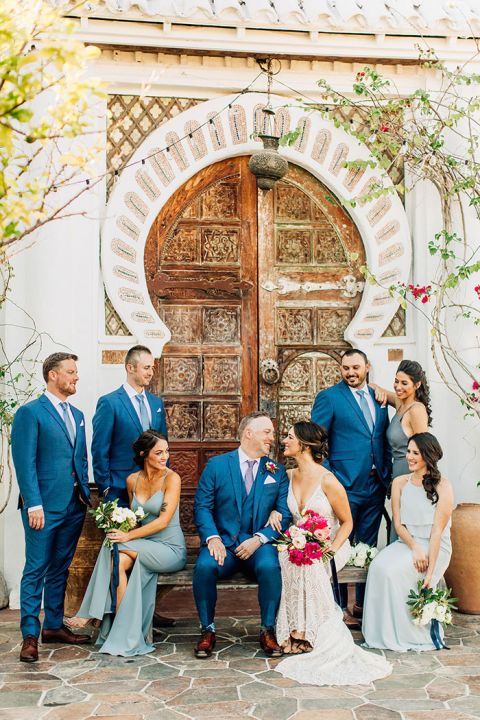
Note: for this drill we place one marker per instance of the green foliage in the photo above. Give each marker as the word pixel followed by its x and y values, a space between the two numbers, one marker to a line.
pixel 45 99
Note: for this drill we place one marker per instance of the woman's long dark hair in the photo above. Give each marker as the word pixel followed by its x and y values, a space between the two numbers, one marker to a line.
pixel 313 436
pixel 143 444
pixel 431 453
pixel 416 374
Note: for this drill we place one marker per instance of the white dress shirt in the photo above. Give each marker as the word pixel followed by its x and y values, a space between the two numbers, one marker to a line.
pixel 370 402
pixel 132 393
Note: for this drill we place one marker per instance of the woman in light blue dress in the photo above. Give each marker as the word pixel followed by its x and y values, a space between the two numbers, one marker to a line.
pixel 422 503
pixel 157 545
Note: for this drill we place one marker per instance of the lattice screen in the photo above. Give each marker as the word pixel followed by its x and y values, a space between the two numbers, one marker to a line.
pixel 131 119
pixel 397 327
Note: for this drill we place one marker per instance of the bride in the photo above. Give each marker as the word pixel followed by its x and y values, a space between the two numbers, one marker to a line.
pixel 310 625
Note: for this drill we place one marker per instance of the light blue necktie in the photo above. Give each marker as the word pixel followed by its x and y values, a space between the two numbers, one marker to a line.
pixel 249 479
pixel 68 422
pixel 365 408
pixel 144 419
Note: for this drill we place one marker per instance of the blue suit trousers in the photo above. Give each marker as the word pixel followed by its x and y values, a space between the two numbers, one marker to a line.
pixel 48 554
pixel 263 566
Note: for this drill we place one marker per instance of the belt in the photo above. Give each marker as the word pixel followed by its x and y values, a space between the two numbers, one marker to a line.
pixel 373 472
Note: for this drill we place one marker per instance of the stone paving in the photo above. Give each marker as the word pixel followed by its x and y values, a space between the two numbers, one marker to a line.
pixel 73 683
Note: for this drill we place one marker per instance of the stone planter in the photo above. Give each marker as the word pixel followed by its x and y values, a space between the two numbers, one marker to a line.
pixel 463 574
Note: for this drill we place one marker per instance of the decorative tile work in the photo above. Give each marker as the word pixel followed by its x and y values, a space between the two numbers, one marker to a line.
pixel 293 246
pixel 294 326
pixel 128 227
pixel 175 149
pixel 146 184
pixel 215 128
pixel 134 117
pixel 332 323
pixel 221 325
pixel 136 205
pixel 291 203
pixel 220 421
pixel 183 420
pixel 114 325
pixel 238 124
pixel 161 166
pixel 195 139
pixel 398 324
pixel 321 145
pixel 182 375
pixel 301 141
pixel 339 157
pixel 379 210
pixel 124 250
pixel 113 357
pixel 221 375
pixel 282 122
pixel 220 201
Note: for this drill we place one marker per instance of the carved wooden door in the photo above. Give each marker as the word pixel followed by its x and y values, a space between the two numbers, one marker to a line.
pixel 232 296
pixel 201 268
pixel 308 292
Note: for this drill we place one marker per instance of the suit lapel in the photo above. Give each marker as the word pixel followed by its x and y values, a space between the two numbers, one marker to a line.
pixel 154 410
pixel 236 477
pixel 354 405
pixel 129 408
pixel 77 416
pixel 258 487
pixel 376 406
pixel 55 414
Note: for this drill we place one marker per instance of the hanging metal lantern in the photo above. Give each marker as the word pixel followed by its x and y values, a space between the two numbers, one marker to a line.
pixel 268 165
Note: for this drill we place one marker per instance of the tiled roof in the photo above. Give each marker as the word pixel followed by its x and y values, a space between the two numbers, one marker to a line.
pixel 413 17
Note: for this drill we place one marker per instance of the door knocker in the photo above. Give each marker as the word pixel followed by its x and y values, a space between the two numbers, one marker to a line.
pixel 269 371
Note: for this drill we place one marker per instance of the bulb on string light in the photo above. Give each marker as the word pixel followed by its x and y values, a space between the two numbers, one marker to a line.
pixel 372 138
pixel 115 176
pixel 404 148
pixel 432 161
pixel 87 182
pixel 143 161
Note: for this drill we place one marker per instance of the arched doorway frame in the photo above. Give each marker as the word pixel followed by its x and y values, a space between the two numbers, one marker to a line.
pixel 143 189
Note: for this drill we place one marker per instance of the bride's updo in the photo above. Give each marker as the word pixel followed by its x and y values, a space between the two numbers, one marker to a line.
pixel 314 437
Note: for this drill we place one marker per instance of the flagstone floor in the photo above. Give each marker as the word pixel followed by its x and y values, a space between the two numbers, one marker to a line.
pixel 73 683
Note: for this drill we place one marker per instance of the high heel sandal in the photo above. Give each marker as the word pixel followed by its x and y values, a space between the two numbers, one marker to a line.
pixel 89 622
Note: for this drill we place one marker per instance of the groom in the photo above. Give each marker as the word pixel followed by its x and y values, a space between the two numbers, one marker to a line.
pixel 235 495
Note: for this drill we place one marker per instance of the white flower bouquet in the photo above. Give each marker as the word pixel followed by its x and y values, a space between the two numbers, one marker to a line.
pixel 362 555
pixel 428 604
pixel 108 516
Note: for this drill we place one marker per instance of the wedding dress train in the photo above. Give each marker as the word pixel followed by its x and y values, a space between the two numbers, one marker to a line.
pixel 308 609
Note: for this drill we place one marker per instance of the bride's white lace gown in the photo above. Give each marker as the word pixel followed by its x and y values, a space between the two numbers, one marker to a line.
pixel 307 606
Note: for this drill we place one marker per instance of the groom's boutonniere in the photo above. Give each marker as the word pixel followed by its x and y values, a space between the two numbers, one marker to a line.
pixel 271 467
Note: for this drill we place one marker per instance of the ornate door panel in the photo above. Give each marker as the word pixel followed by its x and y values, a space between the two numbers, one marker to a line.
pixel 201 268
pixel 308 291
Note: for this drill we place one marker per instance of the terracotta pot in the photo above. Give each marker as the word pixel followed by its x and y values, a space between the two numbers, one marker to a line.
pixel 84 560
pixel 463 574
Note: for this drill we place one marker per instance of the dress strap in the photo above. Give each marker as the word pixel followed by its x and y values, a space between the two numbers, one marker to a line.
pixel 417 402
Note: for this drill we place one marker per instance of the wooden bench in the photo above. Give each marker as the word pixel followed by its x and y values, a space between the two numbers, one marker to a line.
pixel 183 578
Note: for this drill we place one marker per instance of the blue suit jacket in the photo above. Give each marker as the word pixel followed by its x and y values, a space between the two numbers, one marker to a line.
pixel 116 426
pixel 218 499
pixel 46 463
pixel 353 450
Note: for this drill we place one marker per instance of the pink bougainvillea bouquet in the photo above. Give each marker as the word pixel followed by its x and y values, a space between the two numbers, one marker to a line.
pixel 308 541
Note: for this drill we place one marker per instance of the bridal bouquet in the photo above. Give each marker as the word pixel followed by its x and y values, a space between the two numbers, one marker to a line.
pixel 307 541
pixel 429 605
pixel 362 555
pixel 108 516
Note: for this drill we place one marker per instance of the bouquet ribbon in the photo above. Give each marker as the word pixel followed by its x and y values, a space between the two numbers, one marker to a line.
pixel 436 637
pixel 335 586
pixel 115 577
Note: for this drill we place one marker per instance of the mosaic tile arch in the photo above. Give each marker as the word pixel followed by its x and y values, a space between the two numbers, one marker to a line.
pixel 382 223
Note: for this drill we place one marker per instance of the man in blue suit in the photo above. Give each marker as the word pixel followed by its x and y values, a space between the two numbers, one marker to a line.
pixel 234 498
pixel 50 457
pixel 120 417
pixel 359 453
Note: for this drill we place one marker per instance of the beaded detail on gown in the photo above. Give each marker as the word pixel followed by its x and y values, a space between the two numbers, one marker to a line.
pixel 307 605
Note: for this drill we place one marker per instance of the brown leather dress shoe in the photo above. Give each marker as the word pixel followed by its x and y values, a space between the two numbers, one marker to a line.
pixel 269 645
pixel 351 622
pixel 357 611
pixel 65 636
pixel 204 647
pixel 29 651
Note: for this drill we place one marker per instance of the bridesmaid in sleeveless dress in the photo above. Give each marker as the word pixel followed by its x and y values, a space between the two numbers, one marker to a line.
pixel 422 504
pixel 411 400
pixel 156 546
pixel 310 624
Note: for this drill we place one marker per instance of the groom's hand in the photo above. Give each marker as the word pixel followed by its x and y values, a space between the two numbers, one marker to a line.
pixel 216 548
pixel 248 547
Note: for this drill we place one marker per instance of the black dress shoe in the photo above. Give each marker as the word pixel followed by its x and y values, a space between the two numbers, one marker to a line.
pixel 65 636
pixel 357 611
pixel 29 651
pixel 204 647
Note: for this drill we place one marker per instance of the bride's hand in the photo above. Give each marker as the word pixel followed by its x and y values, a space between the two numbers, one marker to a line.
pixel 381 395
pixel 275 521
